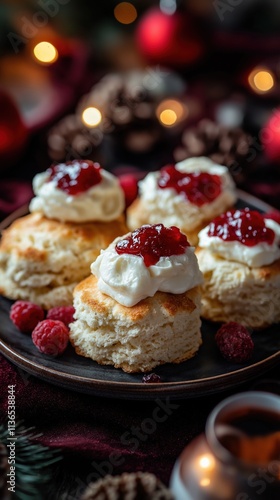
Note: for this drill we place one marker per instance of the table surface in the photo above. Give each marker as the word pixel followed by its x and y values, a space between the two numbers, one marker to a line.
pixel 99 436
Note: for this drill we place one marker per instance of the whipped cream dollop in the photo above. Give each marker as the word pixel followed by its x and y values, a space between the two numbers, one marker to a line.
pixel 103 202
pixel 173 208
pixel 261 254
pixel 125 277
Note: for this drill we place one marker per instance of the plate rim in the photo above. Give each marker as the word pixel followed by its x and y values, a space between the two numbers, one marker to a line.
pixel 138 390
pixel 70 380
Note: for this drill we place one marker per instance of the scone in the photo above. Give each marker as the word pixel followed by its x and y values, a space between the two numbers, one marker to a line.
pixel 142 306
pixel 45 254
pixel 188 195
pixel 239 257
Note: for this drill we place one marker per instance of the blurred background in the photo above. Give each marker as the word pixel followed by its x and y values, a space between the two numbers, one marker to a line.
pixel 135 85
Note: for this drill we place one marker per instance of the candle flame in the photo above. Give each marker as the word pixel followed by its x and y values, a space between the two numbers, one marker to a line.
pixel 206 462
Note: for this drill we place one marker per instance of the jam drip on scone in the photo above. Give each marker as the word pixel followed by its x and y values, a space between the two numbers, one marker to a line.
pixel 152 242
pixel 245 226
pixel 75 177
pixel 198 187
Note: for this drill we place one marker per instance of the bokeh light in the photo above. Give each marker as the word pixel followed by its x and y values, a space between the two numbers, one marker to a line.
pixel 125 13
pixel 261 80
pixel 168 117
pixel 6 138
pixel 45 52
pixel 91 116
pixel 170 112
pixel 168 6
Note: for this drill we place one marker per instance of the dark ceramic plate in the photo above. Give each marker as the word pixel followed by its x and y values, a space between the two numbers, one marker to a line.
pixel 204 374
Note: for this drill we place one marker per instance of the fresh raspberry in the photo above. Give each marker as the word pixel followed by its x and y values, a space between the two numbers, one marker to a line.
pixel 151 378
pixel 129 185
pixel 235 342
pixel 62 313
pixel 26 315
pixel 51 337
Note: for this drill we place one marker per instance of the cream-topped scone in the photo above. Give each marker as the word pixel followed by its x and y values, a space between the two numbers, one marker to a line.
pixel 141 306
pixel 239 256
pixel 79 191
pixel 188 195
pixel 77 211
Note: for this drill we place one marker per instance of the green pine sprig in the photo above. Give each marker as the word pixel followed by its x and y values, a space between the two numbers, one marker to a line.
pixel 32 462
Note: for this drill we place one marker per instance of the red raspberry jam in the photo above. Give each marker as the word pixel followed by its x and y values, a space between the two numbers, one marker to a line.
pixel 75 177
pixel 246 226
pixel 152 242
pixel 198 187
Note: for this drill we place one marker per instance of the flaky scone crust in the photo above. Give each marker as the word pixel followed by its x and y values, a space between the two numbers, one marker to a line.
pixel 40 257
pixel 233 291
pixel 159 329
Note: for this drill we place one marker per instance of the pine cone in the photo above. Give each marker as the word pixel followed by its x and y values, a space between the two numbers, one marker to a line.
pixel 128 105
pixel 4 467
pixel 71 139
pixel 224 145
pixel 128 486
pixel 128 110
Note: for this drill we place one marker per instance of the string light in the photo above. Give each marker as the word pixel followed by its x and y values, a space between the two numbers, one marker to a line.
pixel 125 13
pixel 91 116
pixel 45 52
pixel 168 117
pixel 170 112
pixel 261 80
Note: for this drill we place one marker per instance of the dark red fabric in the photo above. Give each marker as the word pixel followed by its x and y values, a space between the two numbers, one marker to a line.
pixel 13 195
pixel 94 427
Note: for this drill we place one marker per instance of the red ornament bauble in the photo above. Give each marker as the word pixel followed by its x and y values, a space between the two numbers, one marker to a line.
pixel 270 137
pixel 13 132
pixel 169 39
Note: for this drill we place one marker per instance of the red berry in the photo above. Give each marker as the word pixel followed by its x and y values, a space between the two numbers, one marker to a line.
pixel 51 337
pixel 151 378
pixel 26 315
pixel 129 185
pixel 235 342
pixel 62 313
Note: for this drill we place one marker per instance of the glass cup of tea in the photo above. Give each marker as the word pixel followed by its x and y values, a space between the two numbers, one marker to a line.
pixel 238 458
